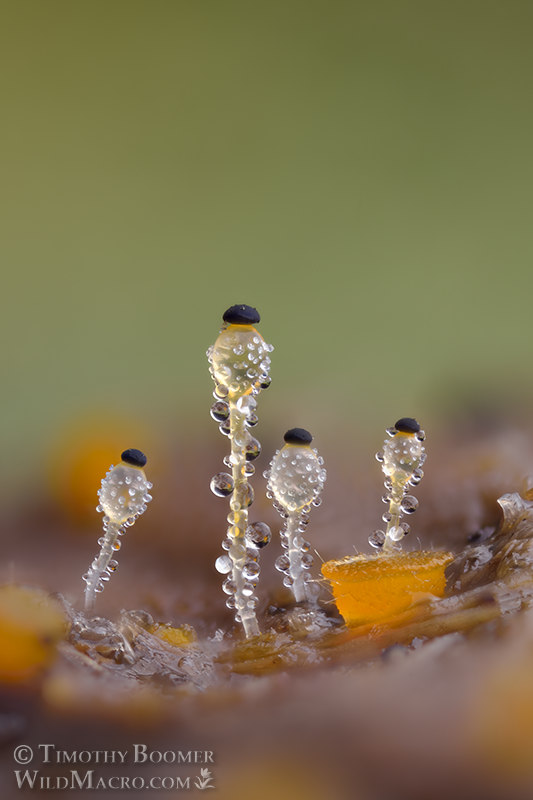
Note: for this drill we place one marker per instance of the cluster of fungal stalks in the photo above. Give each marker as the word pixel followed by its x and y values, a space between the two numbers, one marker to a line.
pixel 401 459
pixel 123 497
pixel 239 363
pixel 295 481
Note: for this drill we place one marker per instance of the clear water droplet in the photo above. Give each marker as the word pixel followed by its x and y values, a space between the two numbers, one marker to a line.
pixel 251 571
pixel 258 534
pixel 248 496
pixel 377 539
pixel 395 533
pixel 221 391
pixel 220 410
pixel 282 563
pixel 223 565
pixel 229 586
pixel 409 504
pixel 222 484
pixel 253 449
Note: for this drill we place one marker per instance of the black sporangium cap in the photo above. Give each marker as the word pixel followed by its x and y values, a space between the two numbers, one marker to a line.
pixel 241 315
pixel 298 436
pixel 134 457
pixel 407 425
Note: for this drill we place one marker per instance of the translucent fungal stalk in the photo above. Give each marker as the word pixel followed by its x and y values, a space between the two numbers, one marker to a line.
pixel 123 497
pixel 239 363
pixel 401 460
pixel 295 481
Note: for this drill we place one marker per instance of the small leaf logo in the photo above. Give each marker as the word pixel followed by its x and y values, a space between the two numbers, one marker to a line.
pixel 203 781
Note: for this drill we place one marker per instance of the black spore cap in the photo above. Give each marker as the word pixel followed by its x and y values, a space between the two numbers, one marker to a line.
pixel 134 457
pixel 242 315
pixel 298 436
pixel 407 425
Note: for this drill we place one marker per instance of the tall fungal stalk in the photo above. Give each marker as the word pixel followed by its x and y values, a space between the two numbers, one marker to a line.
pixel 401 459
pixel 123 497
pixel 239 363
pixel 296 478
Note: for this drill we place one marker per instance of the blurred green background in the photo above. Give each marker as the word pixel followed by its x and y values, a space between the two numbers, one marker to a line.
pixel 362 172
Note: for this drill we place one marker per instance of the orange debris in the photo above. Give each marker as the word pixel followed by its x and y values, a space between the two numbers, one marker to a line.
pixel 369 589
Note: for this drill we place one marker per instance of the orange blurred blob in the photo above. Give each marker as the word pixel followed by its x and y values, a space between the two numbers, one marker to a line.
pixel 31 625
pixel 500 723
pixel 368 589
pixel 82 456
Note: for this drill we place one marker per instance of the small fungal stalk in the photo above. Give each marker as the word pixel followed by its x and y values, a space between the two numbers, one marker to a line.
pixel 295 481
pixel 401 459
pixel 239 363
pixel 123 497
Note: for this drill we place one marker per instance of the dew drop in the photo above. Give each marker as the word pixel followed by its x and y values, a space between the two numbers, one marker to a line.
pixel 229 586
pixel 225 428
pixel 396 533
pixel 220 410
pixel 223 565
pixel 222 484
pixel 258 534
pixel 409 504
pixel 253 449
pixel 221 391
pixel 282 563
pixel 251 571
pixel 377 539
pixel 248 496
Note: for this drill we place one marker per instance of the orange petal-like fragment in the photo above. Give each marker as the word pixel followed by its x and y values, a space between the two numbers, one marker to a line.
pixel 369 589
